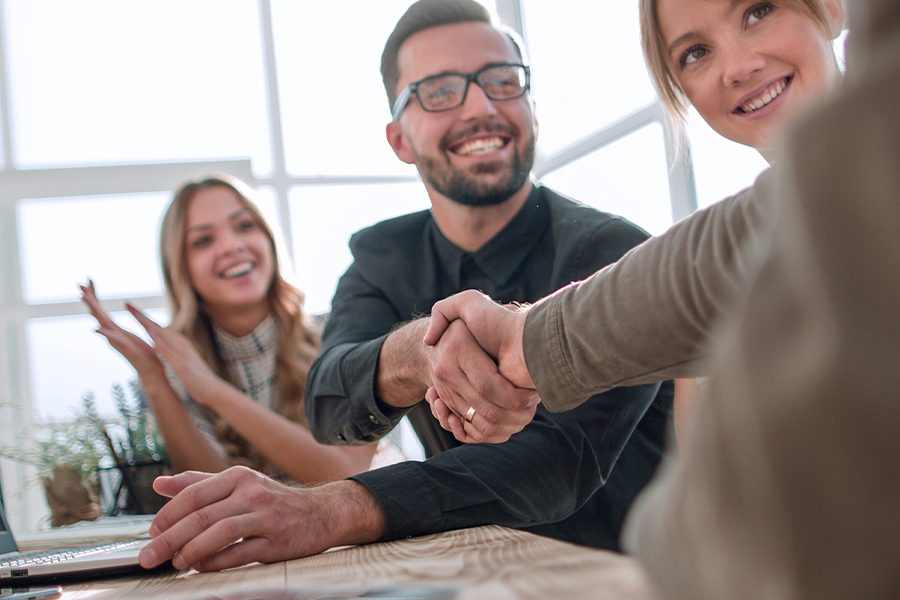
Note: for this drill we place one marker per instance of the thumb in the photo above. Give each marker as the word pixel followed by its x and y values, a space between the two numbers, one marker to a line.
pixel 437 325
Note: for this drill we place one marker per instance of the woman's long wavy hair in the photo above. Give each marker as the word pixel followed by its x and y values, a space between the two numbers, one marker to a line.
pixel 297 343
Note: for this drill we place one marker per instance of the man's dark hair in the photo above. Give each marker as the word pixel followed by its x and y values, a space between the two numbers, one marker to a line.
pixel 426 14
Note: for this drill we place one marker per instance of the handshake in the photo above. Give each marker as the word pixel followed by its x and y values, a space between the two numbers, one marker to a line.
pixel 481 389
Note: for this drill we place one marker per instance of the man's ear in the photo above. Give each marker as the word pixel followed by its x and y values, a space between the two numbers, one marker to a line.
pixel 397 139
pixel 834 14
pixel 534 120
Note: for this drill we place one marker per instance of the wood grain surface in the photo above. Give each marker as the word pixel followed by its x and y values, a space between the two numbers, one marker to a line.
pixel 489 562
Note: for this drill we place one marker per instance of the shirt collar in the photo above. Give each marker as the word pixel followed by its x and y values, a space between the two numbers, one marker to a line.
pixel 502 255
pixel 263 337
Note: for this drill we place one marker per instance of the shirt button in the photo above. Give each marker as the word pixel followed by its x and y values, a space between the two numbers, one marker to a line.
pixel 373 419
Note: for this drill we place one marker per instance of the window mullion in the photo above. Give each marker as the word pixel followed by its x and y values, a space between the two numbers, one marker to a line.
pixel 598 139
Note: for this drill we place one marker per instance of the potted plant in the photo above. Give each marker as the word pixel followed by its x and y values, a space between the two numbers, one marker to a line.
pixel 66 455
pixel 89 463
pixel 137 451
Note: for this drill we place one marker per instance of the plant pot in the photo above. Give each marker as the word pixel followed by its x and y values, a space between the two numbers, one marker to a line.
pixel 70 497
pixel 129 490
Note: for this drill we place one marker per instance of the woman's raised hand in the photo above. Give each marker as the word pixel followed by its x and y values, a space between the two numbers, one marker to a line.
pixel 177 351
pixel 134 349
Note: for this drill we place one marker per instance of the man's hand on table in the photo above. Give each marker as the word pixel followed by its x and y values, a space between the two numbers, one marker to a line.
pixel 498 330
pixel 240 516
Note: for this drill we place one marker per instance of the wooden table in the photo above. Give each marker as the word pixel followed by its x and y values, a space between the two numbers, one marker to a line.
pixel 489 562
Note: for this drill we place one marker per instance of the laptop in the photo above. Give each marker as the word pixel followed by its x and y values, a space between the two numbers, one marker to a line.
pixel 81 562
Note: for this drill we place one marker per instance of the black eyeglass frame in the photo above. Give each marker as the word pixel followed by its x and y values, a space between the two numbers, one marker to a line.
pixel 413 88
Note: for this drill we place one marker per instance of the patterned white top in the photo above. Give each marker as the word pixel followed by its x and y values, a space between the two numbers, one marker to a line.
pixel 250 360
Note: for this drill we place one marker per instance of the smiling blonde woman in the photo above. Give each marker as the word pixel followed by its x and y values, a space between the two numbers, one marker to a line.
pixel 226 379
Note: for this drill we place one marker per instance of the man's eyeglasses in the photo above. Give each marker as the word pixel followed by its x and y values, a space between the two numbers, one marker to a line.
pixel 448 90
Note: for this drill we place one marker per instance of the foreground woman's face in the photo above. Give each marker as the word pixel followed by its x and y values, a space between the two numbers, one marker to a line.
pixel 745 65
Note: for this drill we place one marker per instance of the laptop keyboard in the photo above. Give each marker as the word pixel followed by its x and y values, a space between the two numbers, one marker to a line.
pixel 54 556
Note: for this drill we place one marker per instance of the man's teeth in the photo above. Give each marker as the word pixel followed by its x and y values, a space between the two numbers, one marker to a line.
pixel 481 146
pixel 238 270
pixel 770 94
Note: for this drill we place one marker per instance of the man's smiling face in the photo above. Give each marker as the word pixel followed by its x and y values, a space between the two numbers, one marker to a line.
pixel 479 153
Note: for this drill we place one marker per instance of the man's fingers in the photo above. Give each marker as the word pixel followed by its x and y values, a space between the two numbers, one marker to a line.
pixel 169 485
pixel 456 427
pixel 448 310
pixel 207 532
pixel 246 551
pixel 195 536
pixel 189 491
pixel 437 325
pixel 485 378
pixel 440 412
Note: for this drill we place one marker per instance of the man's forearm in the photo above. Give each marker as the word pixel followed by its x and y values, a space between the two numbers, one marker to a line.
pixel 400 379
pixel 541 476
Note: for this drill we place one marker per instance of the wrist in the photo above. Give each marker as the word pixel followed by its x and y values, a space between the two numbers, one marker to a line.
pixel 154 381
pixel 214 395
pixel 513 350
pixel 402 376
pixel 356 517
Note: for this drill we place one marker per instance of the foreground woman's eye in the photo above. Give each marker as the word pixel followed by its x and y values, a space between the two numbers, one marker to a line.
pixel 246 225
pixel 758 12
pixel 692 55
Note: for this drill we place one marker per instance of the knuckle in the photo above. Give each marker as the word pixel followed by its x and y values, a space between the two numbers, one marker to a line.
pixel 193 496
pixel 239 473
pixel 230 528
pixel 258 495
pixel 439 370
pixel 523 402
pixel 490 413
pixel 202 520
pixel 164 546
pixel 482 387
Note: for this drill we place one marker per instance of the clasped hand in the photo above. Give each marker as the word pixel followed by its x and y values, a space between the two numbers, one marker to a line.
pixel 486 395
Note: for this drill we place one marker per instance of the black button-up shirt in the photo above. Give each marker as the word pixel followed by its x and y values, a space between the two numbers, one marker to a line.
pixel 556 476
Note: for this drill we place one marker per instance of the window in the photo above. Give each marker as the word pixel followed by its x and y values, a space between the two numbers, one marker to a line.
pixel 583 81
pixel 627 178
pixel 105 82
pixel 69 360
pixel 334 107
pixel 111 238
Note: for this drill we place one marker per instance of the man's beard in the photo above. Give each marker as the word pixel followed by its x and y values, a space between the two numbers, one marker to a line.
pixel 467 188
